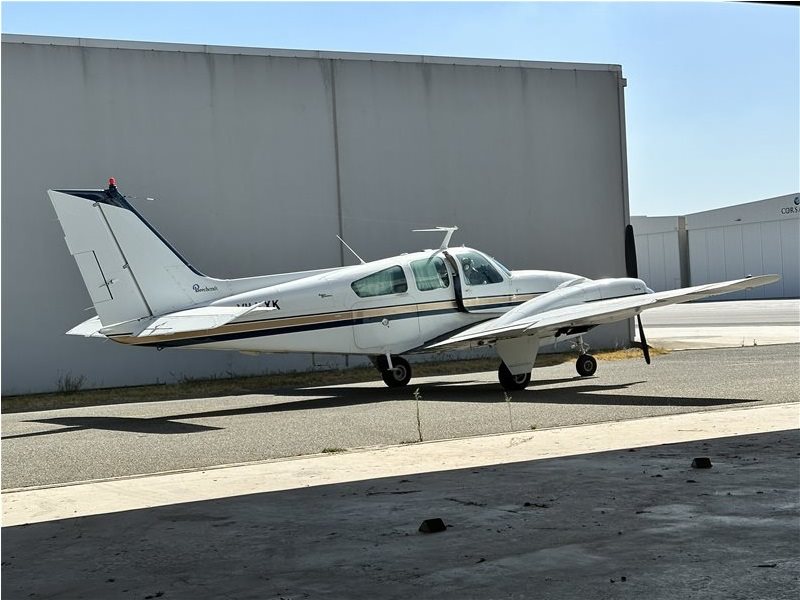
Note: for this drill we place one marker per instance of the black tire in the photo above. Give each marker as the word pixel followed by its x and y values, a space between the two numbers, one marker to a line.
pixel 399 375
pixel 511 382
pixel 586 365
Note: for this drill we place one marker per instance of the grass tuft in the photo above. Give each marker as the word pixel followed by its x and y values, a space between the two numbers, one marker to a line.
pixel 69 384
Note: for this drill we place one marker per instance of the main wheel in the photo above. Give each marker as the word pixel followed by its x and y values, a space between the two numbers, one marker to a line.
pixel 400 373
pixel 586 365
pixel 512 382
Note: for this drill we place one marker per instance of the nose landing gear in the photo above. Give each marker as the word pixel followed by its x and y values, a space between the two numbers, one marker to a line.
pixel 586 365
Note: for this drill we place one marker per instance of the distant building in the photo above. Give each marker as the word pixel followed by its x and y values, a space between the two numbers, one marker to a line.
pixel 755 238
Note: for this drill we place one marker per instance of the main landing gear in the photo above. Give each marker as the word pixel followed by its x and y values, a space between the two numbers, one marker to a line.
pixel 398 375
pixel 510 382
pixel 586 365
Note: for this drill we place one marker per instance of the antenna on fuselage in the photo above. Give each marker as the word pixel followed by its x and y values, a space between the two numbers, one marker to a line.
pixel 361 260
pixel 449 233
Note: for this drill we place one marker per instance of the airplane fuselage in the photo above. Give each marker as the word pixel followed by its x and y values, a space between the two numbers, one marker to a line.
pixel 432 297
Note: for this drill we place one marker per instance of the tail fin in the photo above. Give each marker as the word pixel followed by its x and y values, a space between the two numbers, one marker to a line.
pixel 131 272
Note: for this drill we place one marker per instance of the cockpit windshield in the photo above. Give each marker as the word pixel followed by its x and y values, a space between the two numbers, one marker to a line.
pixel 478 269
pixel 501 265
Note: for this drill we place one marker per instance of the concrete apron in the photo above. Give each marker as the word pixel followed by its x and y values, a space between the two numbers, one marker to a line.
pixel 699 338
pixel 125 494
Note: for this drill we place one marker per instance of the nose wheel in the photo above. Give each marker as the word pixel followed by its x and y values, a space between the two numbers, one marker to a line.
pixel 586 365
pixel 398 375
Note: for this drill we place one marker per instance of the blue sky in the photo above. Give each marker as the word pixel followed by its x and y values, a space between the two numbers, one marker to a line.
pixel 713 96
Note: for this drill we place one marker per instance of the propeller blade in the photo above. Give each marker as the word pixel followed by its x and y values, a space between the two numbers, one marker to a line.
pixel 631 268
pixel 643 341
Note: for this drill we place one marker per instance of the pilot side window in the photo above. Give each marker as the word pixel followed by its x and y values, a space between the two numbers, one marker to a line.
pixel 430 274
pixel 388 281
pixel 478 270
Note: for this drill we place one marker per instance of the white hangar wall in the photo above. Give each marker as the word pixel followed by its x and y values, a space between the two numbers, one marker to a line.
pixel 748 239
pixel 257 158
pixel 661 251
pixel 755 238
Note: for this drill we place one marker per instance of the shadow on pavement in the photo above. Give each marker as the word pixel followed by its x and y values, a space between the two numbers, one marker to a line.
pixel 125 424
pixel 343 396
pixel 632 524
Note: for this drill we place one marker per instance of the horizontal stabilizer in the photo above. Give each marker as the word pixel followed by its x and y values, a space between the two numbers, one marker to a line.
pixel 193 319
pixel 89 328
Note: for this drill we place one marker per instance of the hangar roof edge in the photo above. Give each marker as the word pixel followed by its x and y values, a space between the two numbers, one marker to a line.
pixel 14 38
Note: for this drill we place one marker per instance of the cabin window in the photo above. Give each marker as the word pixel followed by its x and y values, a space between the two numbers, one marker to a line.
pixel 430 274
pixel 478 270
pixel 388 281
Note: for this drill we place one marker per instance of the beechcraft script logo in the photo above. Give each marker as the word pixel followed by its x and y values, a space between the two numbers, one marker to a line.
pixel 198 288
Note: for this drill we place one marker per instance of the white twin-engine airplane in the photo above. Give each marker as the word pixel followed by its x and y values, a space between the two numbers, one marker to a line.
pixel 146 294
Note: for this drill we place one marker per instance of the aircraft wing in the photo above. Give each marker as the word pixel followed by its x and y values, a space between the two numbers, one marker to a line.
pixel 548 323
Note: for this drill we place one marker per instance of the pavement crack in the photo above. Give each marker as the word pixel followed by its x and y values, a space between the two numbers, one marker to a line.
pixel 465 502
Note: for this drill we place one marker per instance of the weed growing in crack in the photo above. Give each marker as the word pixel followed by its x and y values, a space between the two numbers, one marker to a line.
pixel 417 398
pixel 510 416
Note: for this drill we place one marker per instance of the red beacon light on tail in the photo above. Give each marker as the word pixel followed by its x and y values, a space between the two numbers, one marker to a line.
pixel 112 183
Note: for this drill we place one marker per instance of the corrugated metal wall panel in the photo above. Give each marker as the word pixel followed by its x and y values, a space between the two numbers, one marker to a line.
pixel 756 238
pixel 790 253
pixel 734 257
pixel 655 259
pixel 753 256
pixel 672 261
pixel 772 258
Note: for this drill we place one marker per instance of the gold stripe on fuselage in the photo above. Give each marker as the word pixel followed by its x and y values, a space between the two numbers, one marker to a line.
pixel 320 318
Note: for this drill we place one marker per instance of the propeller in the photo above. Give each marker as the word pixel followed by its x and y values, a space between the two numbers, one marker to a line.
pixel 643 341
pixel 630 253
pixel 632 270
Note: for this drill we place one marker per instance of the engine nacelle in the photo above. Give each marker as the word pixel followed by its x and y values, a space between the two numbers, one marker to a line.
pixel 576 292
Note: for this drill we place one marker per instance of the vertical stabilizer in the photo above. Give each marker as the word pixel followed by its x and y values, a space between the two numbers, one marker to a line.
pixel 130 271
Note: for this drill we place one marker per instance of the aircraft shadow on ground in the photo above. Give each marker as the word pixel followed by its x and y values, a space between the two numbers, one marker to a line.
pixel 124 424
pixel 478 392
pixel 527 525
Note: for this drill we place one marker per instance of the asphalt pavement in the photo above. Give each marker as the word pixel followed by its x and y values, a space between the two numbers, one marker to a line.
pixel 80 444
